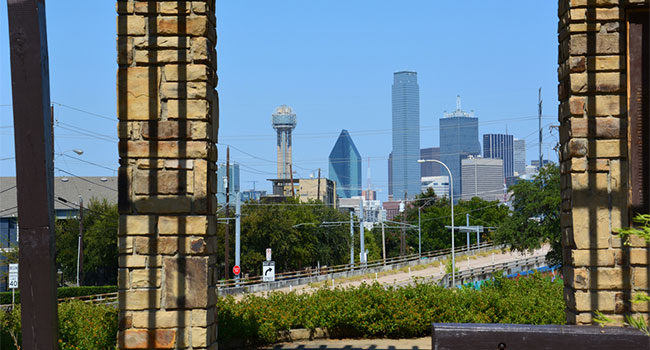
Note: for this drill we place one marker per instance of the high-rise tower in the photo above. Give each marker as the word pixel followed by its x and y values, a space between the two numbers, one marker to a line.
pixel 345 166
pixel 284 121
pixel 520 156
pixel 500 146
pixel 458 140
pixel 405 172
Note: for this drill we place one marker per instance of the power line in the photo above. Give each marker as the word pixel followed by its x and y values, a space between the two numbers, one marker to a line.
pixel 84 111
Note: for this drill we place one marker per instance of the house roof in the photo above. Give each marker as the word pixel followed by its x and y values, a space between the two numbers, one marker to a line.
pixel 66 188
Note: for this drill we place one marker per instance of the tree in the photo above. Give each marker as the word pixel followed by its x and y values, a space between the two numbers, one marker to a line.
pixel 535 218
pixel 99 244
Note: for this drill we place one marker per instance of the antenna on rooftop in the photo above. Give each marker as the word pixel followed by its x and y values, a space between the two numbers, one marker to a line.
pixel 458 103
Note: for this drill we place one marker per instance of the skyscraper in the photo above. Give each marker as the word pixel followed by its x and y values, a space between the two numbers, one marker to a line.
pixel 458 140
pixel 284 121
pixel 500 146
pixel 428 169
pixel 483 178
pixel 405 172
pixel 345 166
pixel 233 184
pixel 520 156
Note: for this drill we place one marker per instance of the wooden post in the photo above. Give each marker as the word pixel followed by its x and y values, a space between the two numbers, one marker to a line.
pixel 34 172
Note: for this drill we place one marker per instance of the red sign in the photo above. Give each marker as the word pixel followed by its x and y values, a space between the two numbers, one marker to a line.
pixel 236 270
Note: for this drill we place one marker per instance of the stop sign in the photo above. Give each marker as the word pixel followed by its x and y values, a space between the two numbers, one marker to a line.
pixel 236 270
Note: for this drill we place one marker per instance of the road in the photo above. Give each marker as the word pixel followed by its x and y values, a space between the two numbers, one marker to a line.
pixel 431 271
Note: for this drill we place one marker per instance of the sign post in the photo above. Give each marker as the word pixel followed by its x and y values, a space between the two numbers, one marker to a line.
pixel 268 254
pixel 13 281
pixel 268 271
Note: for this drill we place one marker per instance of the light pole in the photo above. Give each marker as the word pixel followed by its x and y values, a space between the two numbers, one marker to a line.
pixel 453 244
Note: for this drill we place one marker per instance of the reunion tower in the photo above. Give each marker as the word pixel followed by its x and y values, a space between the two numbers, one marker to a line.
pixel 284 121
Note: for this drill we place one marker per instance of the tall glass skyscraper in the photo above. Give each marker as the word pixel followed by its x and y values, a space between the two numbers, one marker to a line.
pixel 458 140
pixel 520 156
pixel 405 172
pixel 345 166
pixel 500 146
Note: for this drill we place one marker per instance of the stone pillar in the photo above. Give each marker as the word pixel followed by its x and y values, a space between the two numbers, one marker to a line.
pixel 168 120
pixel 600 273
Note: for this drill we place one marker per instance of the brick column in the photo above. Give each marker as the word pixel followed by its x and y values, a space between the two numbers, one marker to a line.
pixel 168 120
pixel 599 272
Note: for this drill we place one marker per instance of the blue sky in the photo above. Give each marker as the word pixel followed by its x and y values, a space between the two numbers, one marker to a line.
pixel 332 61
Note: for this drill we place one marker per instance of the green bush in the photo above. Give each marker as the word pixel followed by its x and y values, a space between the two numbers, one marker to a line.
pixel 377 311
pixel 82 326
pixel 65 292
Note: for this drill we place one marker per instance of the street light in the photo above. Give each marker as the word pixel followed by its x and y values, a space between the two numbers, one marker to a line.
pixel 453 244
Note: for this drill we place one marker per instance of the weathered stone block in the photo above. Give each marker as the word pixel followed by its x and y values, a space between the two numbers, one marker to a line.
pixel 186 282
pixel 139 299
pixel 607 105
pixel 145 278
pixel 161 42
pixel 191 90
pixel 165 130
pixel 125 245
pixel 161 56
pixel 203 317
pixel 190 72
pixel 156 245
pixel 200 131
pixel 147 339
pixel 578 164
pixel 591 227
pixel 166 182
pixel 601 278
pixel 174 7
pixel 199 337
pixel 165 149
pixel 589 301
pixel 578 147
pixel 187 164
pixel 184 25
pixel 123 279
pixel 161 319
pixel 592 257
pixel 137 86
pixel 189 109
pixel 137 261
pixel 163 204
pixel 605 63
pixel 179 225
pixel 639 256
pixel 640 276
pixel 130 25
pixel 200 49
pixel 608 149
pixel 199 7
pixel 598 82
pixel 605 43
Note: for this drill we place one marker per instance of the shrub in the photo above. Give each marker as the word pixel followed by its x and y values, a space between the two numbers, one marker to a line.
pixel 82 326
pixel 65 292
pixel 379 311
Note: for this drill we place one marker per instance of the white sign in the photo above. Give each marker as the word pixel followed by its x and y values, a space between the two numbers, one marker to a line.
pixel 268 254
pixel 13 276
pixel 268 271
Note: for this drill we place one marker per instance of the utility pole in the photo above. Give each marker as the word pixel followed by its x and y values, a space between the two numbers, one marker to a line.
pixel 293 189
pixel 541 156
pixel 318 191
pixel 361 233
pixel 352 238
pixel 467 224
pixel 237 231
pixel 80 244
pixel 383 239
pixel 402 236
pixel 227 235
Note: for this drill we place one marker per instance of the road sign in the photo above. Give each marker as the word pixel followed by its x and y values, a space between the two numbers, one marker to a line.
pixel 13 276
pixel 268 254
pixel 236 270
pixel 268 271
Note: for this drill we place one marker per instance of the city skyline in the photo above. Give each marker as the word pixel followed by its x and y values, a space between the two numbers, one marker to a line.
pixel 253 82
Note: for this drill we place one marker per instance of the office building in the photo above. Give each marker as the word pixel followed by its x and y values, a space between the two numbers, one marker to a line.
pixel 390 175
pixel 458 141
pixel 500 146
pixel 345 167
pixel 439 185
pixel 369 195
pixel 535 163
pixel 520 156
pixel 428 169
pixel 252 195
pixel 284 121
pixel 483 178
pixel 233 184
pixel 405 170
pixel 313 189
